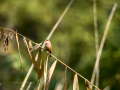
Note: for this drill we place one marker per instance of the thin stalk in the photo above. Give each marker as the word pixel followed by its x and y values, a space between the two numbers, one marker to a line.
pixel 29 86
pixel 96 40
pixel 102 42
pixel 38 86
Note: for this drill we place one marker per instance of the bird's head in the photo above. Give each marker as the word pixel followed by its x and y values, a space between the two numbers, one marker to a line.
pixel 46 41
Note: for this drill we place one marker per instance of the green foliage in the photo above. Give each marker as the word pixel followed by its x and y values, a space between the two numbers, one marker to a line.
pixel 73 41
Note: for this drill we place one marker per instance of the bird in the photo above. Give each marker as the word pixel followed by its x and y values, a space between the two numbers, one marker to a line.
pixel 48 46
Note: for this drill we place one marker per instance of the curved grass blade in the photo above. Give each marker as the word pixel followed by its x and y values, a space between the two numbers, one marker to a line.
pixel 32 57
pixel 87 85
pixel 49 75
pixel 75 83
pixel 45 70
pixel 19 50
pixel 39 71
pixel 25 42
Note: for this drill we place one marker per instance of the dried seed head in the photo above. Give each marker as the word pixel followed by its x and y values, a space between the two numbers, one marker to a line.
pixel 7 35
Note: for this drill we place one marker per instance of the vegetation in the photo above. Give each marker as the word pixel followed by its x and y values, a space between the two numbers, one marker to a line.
pixel 73 42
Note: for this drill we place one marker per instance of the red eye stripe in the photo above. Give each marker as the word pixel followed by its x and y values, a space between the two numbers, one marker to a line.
pixel 46 40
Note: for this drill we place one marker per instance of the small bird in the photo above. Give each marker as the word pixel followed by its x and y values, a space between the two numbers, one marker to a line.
pixel 48 46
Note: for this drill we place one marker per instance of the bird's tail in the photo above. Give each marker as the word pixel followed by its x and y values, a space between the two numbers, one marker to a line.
pixel 50 53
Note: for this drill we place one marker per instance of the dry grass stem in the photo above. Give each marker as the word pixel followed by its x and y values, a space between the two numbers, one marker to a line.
pixel 75 83
pixel 38 86
pixel 95 26
pixel 28 88
pixel 97 78
pixel 102 42
pixel 65 84
pixel 19 50
pixel 25 80
pixel 57 23
pixel 96 40
pixel 24 37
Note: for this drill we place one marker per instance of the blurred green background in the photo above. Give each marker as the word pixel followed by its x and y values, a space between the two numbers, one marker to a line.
pixel 73 41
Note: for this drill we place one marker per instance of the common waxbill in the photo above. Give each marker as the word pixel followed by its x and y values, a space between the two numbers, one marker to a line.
pixel 48 46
